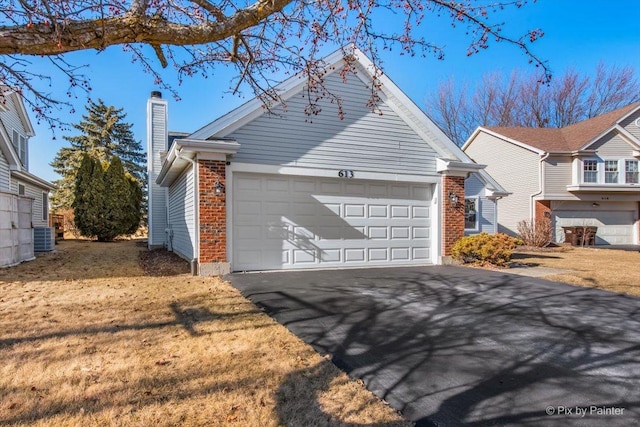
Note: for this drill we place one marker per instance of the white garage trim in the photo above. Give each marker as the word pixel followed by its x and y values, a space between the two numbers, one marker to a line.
pixel 329 173
pixel 297 222
pixel 617 224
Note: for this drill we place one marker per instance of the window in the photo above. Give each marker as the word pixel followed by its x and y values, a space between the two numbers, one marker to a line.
pixel 19 143
pixel 45 206
pixel 590 171
pixel 631 171
pixel 611 171
pixel 471 214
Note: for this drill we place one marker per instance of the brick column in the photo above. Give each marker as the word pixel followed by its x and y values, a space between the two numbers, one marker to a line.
pixel 452 216
pixel 542 212
pixel 212 258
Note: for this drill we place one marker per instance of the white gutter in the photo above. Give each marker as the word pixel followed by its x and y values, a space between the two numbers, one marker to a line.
pixel 194 260
pixel 532 209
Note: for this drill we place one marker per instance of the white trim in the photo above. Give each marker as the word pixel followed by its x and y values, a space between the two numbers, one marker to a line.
pixel 390 93
pixel 435 181
pixel 45 195
pixel 22 114
pixel 626 135
pixel 183 149
pixel 229 207
pixel 502 137
pixel 454 167
pixel 615 127
pixel 436 224
pixel 32 179
pixel 331 173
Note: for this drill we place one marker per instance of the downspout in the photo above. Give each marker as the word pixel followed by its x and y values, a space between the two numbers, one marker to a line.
pixel 532 207
pixel 196 193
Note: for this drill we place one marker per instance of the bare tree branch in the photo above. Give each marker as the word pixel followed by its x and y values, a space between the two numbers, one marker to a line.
pixel 260 38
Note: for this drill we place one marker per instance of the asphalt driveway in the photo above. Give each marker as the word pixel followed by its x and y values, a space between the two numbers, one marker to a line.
pixel 459 346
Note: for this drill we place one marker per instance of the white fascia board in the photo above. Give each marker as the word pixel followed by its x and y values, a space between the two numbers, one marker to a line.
pixel 7 149
pixel 455 167
pixel 594 140
pixel 628 114
pixel 34 180
pixel 506 139
pixel 472 137
pixel 492 187
pixel 22 113
pixel 416 118
pixel 330 173
pixel 254 108
pixel 626 135
pixel 175 161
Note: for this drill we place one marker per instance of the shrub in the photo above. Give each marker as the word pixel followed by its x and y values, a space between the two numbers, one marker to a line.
pixel 536 233
pixel 484 248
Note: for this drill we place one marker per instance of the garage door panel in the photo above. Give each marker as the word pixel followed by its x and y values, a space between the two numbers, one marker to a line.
pixel 312 222
pixel 614 227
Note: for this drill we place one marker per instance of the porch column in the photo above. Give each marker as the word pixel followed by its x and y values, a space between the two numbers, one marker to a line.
pixel 212 229
pixel 452 213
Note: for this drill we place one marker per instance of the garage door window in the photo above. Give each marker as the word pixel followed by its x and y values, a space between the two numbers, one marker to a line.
pixel 631 171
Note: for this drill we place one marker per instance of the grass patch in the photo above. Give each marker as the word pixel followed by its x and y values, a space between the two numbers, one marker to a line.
pixel 90 338
pixel 608 269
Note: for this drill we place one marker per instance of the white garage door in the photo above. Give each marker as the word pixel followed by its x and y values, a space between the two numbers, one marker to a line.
pixel 283 222
pixel 614 227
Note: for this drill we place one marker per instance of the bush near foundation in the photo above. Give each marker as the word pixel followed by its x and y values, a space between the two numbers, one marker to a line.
pixel 484 249
pixel 537 233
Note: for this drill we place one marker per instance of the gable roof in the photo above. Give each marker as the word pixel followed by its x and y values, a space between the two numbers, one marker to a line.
pixel 570 138
pixel 389 92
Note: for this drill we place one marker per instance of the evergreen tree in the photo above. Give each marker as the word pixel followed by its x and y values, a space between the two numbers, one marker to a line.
pixel 89 197
pixel 106 202
pixel 102 134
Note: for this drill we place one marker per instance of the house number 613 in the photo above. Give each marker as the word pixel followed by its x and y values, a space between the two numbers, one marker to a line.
pixel 345 173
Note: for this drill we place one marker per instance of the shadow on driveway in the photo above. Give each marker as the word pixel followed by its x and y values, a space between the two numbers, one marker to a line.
pixel 453 346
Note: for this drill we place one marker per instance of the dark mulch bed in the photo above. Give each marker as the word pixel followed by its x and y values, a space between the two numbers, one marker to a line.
pixel 160 262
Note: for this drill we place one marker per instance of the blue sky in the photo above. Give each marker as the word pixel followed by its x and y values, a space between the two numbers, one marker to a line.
pixel 578 34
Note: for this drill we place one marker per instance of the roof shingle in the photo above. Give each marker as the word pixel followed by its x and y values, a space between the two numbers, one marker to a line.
pixel 569 138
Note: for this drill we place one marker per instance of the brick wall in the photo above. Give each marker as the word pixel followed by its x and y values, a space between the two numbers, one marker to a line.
pixel 543 210
pixel 452 216
pixel 213 212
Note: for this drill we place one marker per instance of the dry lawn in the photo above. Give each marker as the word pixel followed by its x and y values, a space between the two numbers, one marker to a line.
pixel 88 338
pixel 609 269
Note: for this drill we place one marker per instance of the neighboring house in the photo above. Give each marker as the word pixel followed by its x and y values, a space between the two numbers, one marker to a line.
pixel 585 174
pixel 24 197
pixel 278 189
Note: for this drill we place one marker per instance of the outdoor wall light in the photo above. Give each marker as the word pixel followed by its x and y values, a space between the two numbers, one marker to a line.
pixel 453 198
pixel 595 204
pixel 219 187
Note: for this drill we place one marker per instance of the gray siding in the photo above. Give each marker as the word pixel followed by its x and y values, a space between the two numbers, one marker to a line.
pixel 182 215
pixel 474 187
pixel 157 195
pixel 5 175
pixel 612 146
pixel 362 140
pixel 557 175
pixel 11 121
pixel 630 126
pixel 516 169
pixel 34 193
